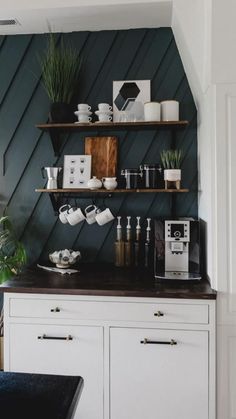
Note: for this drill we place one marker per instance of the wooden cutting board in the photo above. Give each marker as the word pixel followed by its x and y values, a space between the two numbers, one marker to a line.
pixel 104 155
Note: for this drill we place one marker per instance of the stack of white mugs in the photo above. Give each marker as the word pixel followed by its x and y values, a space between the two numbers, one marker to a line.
pixel 83 113
pixel 104 113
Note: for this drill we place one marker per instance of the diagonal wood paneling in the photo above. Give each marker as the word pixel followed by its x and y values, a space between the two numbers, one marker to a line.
pixel 107 56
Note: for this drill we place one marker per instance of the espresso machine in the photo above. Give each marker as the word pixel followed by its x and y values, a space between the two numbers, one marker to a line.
pixel 177 249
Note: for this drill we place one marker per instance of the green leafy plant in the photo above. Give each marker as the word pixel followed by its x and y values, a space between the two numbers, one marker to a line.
pixel 171 159
pixel 60 66
pixel 12 251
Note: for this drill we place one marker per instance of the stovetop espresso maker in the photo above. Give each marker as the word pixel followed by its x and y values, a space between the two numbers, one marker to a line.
pixel 52 176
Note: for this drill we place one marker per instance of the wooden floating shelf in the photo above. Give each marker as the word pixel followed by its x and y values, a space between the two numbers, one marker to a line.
pixel 105 191
pixel 56 131
pixel 112 125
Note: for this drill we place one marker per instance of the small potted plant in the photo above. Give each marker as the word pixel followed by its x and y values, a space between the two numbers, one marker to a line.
pixel 171 161
pixel 12 251
pixel 60 66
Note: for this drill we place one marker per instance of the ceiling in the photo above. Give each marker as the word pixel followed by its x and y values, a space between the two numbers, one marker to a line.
pixel 83 15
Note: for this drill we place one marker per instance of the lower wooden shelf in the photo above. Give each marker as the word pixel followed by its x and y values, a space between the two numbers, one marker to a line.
pixel 105 191
pixel 58 196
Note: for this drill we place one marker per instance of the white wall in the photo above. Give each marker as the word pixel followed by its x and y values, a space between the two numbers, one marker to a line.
pixel 83 15
pixel 223 41
pixel 192 29
pixel 190 25
pixel 31 4
pixel 212 77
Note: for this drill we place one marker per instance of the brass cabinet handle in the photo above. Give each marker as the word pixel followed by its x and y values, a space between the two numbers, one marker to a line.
pixel 159 314
pixel 45 337
pixel 55 310
pixel 145 341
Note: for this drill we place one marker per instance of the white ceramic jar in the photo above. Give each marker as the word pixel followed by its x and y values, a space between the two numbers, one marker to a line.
pixel 109 183
pixel 94 183
pixel 152 111
pixel 170 110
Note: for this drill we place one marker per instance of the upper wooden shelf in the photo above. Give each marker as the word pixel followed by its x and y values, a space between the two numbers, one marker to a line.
pixel 105 191
pixel 112 125
pixel 55 130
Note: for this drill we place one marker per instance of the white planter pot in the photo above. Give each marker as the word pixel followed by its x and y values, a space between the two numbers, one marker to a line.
pixel 172 175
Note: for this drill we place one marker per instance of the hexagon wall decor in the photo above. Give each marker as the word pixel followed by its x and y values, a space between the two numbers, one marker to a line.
pixel 129 97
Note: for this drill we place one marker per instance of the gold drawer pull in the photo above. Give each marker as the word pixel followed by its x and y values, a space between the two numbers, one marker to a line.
pixel 55 310
pixel 159 314
pixel 145 341
pixel 45 337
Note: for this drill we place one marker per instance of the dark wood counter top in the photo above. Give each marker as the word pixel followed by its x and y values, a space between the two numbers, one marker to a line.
pixel 106 281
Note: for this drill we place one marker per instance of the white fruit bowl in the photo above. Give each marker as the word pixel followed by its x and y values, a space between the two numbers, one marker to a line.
pixel 65 258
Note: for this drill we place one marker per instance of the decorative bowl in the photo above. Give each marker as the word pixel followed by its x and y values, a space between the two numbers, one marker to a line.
pixel 65 258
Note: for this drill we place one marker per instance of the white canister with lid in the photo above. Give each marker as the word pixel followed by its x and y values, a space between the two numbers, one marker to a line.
pixel 152 111
pixel 170 110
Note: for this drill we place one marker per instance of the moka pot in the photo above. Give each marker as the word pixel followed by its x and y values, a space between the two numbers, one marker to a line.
pixel 52 175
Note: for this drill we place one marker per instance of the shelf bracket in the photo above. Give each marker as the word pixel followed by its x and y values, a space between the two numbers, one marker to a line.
pixel 173 139
pixel 55 201
pixel 58 199
pixel 56 140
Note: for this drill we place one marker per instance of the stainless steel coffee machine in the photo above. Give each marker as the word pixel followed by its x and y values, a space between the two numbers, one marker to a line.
pixel 177 249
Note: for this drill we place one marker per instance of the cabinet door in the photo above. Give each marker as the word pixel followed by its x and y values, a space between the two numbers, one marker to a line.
pixel 158 380
pixel 83 355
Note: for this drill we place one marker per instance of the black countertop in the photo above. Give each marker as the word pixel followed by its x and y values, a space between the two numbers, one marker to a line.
pixel 38 396
pixel 107 281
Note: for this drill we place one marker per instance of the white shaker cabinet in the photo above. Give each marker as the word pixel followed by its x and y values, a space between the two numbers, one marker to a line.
pixel 150 358
pixel 158 374
pixel 68 350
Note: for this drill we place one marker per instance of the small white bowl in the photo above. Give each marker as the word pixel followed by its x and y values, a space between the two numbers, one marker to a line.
pixel 65 258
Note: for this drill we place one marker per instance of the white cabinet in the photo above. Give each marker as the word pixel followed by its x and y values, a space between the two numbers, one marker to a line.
pixel 69 350
pixel 158 374
pixel 121 347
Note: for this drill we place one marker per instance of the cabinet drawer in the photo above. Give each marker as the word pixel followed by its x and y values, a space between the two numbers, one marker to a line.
pixel 107 310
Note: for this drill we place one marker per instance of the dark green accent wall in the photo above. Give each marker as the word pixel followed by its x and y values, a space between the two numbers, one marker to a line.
pixel 107 56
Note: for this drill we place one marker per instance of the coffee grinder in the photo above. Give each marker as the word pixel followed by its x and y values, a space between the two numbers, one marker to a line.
pixel 177 249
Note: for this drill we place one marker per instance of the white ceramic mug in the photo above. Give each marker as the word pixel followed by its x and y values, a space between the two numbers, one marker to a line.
pixel 105 107
pixel 63 212
pixel 84 107
pixel 104 117
pixel 83 117
pixel 152 111
pixel 75 216
pixel 104 217
pixel 90 212
pixel 170 110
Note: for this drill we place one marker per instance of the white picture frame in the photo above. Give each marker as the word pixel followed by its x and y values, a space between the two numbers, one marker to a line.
pixel 129 97
pixel 77 171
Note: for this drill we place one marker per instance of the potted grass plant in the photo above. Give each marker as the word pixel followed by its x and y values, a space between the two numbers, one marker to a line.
pixel 60 66
pixel 12 251
pixel 171 162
